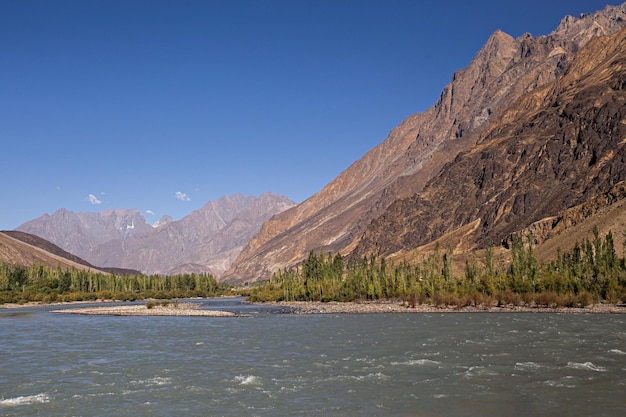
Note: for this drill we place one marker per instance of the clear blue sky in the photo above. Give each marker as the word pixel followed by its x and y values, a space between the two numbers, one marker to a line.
pixel 164 105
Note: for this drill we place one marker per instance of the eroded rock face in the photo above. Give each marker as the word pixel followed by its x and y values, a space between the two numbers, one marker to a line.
pixel 558 147
pixel 337 217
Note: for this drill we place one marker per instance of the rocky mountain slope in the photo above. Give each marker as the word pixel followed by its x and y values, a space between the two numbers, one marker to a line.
pixel 339 216
pixel 206 240
pixel 556 156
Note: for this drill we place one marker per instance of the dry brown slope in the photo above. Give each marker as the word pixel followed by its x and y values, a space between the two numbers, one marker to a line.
pixel 578 224
pixel 335 218
pixel 17 252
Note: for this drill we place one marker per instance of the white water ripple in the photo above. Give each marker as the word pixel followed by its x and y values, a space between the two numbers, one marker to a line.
pixel 527 366
pixel 587 366
pixel 25 400
pixel 151 382
pixel 248 380
pixel 478 371
pixel 417 362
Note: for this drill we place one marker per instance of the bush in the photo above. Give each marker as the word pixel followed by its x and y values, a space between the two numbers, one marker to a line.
pixel 547 298
pixel 50 298
pixel 505 298
pixel 585 299
pixel 104 295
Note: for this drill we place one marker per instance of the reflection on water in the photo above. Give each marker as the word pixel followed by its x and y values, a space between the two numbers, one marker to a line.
pixel 14 313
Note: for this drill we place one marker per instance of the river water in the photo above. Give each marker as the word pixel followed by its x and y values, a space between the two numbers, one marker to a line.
pixel 268 364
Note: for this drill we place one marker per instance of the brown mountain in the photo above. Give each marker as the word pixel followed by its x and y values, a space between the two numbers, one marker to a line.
pixel 355 205
pixel 553 160
pixel 207 240
pixel 18 248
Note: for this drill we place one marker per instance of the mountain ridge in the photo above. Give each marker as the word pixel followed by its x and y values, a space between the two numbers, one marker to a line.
pixel 414 152
pixel 124 239
pixel 557 147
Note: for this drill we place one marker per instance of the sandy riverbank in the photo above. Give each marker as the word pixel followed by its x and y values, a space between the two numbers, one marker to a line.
pixel 182 309
pixel 305 307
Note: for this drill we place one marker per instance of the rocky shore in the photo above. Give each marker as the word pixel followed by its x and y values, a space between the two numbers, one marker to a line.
pixel 183 309
pixel 306 307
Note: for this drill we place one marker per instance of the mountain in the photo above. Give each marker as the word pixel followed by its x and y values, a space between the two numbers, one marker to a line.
pixel 351 213
pixel 82 233
pixel 557 153
pixel 18 248
pixel 163 221
pixel 207 240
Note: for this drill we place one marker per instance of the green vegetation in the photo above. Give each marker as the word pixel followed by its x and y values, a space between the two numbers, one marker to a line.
pixel 20 284
pixel 590 273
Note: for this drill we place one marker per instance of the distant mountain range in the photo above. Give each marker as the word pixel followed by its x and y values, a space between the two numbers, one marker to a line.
pixel 528 139
pixel 207 240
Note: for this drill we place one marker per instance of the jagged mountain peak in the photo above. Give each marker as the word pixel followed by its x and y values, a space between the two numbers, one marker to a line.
pixel 501 72
pixel 82 231
pixel 588 26
pixel 206 240
pixel 556 157
pixel 499 42
pixel 165 219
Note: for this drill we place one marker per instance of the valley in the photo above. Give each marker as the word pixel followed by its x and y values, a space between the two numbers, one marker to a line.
pixel 521 157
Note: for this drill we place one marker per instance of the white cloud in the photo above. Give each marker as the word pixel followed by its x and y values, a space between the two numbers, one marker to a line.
pixel 182 196
pixel 93 199
pixel 150 212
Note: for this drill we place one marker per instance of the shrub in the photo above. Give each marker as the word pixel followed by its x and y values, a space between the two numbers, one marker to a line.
pixel 411 300
pixel 50 298
pixel 547 298
pixel 506 298
pixel 585 299
pixel 104 295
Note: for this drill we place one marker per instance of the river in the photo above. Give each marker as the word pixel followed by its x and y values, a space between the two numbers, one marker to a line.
pixel 269 364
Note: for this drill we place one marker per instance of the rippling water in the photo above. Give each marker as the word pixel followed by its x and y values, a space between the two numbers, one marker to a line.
pixel 451 364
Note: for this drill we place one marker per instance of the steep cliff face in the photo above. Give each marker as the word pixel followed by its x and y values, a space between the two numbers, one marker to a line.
pixel 335 219
pixel 558 147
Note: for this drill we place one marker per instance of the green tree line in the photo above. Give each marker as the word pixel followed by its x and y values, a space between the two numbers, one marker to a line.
pixel 19 284
pixel 591 272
